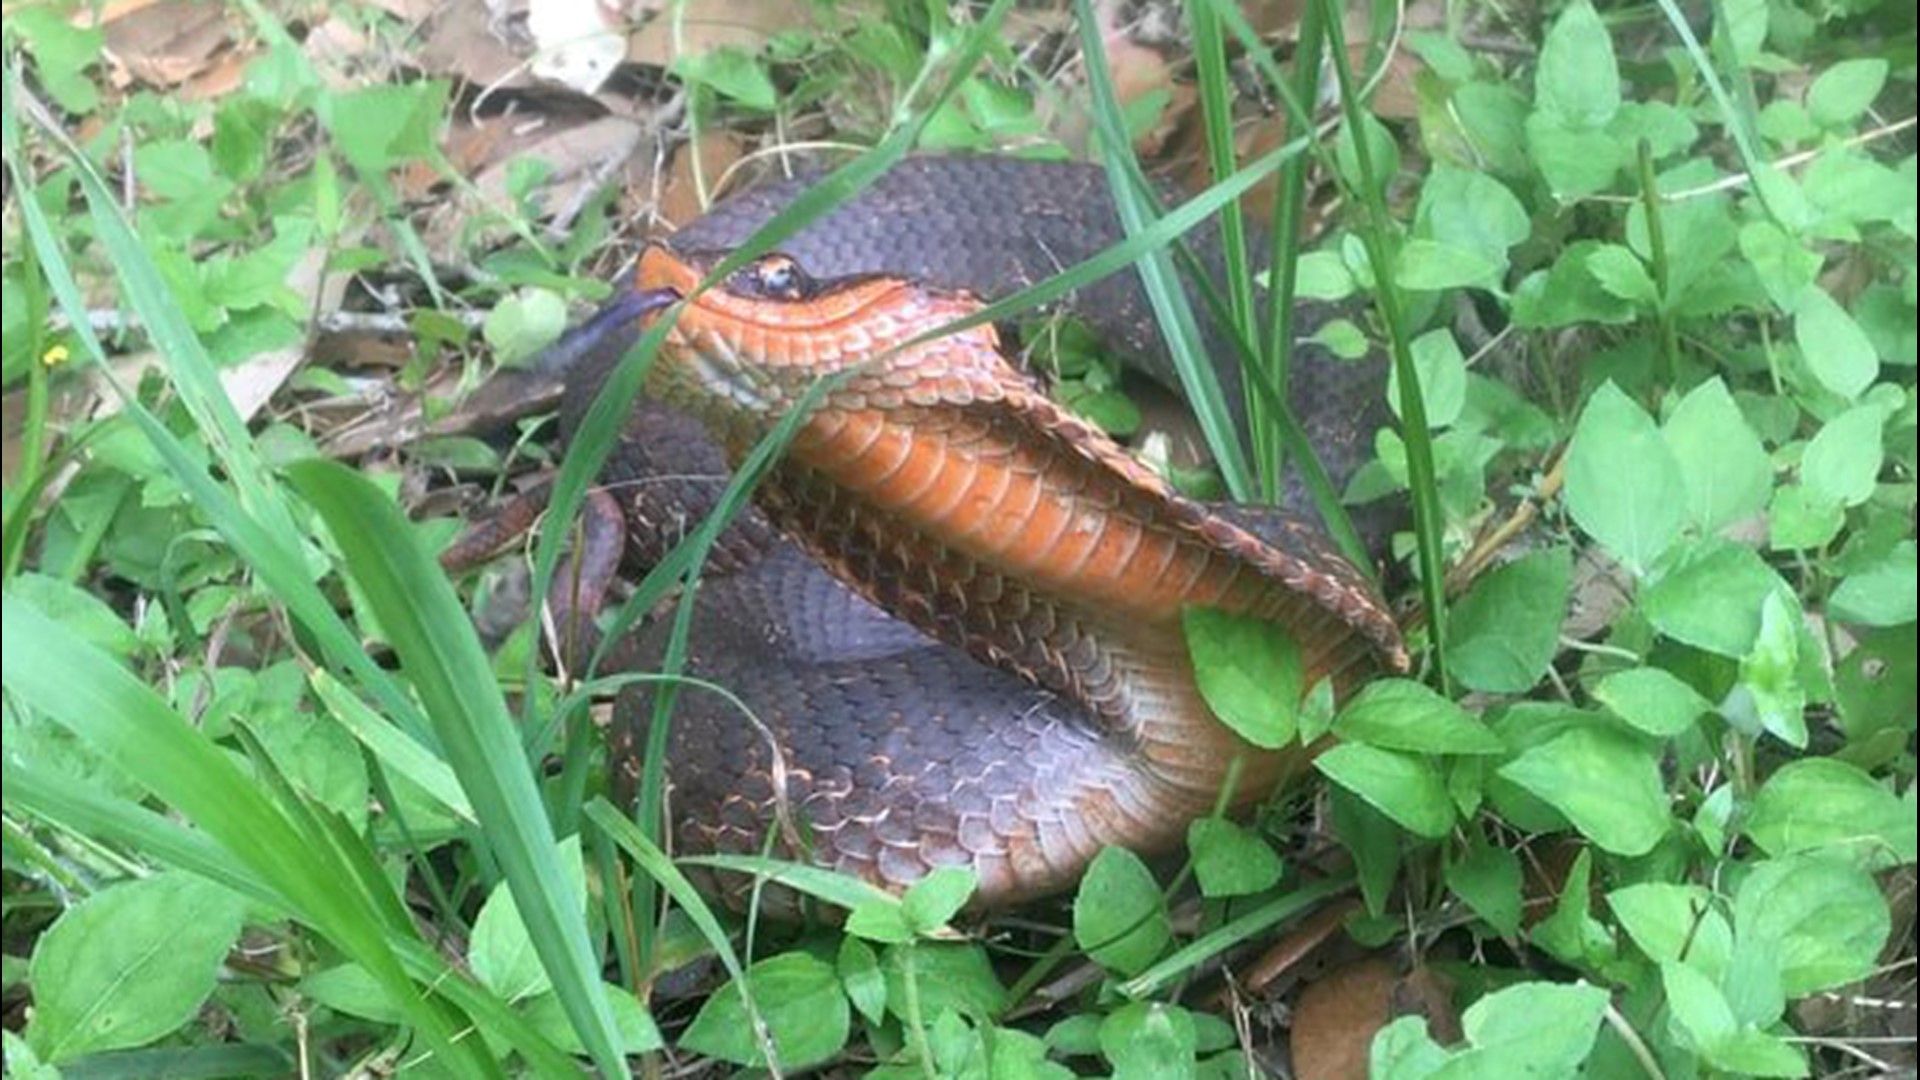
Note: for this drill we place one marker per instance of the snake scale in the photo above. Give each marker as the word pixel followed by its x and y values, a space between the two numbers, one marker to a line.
pixel 954 611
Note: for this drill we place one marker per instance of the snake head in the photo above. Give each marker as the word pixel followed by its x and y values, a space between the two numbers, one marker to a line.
pixel 752 342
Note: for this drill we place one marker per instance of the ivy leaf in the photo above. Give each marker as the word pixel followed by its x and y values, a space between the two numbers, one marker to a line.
pixel 1624 487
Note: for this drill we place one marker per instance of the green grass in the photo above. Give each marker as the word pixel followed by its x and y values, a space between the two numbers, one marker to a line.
pixel 1688 250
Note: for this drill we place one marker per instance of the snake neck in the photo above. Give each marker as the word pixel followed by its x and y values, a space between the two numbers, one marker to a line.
pixel 947 489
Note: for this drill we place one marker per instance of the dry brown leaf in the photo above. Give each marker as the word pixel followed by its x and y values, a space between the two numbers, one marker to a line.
pixel 163 43
pixel 466 39
pixel 578 153
pixel 746 24
pixel 1336 1017
pixel 680 196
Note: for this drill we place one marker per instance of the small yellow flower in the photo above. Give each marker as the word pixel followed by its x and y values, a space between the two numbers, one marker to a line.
pixel 55 356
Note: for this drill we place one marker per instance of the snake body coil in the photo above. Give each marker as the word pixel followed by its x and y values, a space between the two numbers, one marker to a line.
pixel 955 614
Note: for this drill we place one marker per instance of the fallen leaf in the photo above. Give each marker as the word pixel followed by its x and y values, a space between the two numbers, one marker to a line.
pixel 467 39
pixel 1338 1014
pixel 745 24
pixel 162 43
pixel 577 43
pixel 680 195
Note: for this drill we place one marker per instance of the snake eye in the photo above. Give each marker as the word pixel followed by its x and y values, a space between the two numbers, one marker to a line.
pixel 774 277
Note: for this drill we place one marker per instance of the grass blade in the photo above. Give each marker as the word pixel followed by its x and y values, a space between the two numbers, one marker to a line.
pixel 444 662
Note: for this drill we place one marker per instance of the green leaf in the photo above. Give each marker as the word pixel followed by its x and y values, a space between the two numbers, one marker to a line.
pixel 1620 272
pixel 939 896
pixel 1652 700
pixel 378 127
pixel 1770 674
pixel 1229 860
pixel 1430 266
pixel 1443 377
pixel 862 979
pixel 1842 463
pixel 1533 1029
pixel 1823 802
pixel 1711 597
pixel 129 964
pixel 501 951
pixel 1800 520
pixel 1624 487
pixel 1249 673
pixel 1119 916
pixel 1577 81
pixel 1606 783
pixel 1576 162
pixel 1343 339
pixel 1726 469
pixel 1845 91
pixel 1505 631
pixel 1404 788
pixel 1786 267
pixel 1674 922
pixel 798 998
pixel 524 323
pixel 731 72
pixel 636 1030
pixel 1400 714
pixel 1489 881
pixel 62 53
pixel 1471 211
pixel 1879 594
pixel 1826 915
pixel 1323 275
pixel 1837 351
pixel 86 615
pixel 1148 1040
pixel 957 978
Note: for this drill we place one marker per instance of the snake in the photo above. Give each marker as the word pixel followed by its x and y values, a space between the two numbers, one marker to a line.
pixel 951 625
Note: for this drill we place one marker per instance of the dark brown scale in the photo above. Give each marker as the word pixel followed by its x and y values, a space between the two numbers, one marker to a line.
pixel 986 721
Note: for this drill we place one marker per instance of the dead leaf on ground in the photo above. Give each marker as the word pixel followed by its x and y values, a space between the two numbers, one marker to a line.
pixel 162 43
pixel 680 195
pixel 744 24
pixel 577 43
pixel 465 38
pixel 1339 1013
pixel 578 154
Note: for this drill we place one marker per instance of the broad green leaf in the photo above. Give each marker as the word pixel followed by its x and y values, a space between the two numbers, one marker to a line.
pixel 129 964
pixel 1842 463
pixel 1653 700
pixel 635 1028
pixel 1607 784
pixel 799 999
pixel 1786 267
pixel 1430 266
pixel 1800 520
pixel 378 127
pixel 1712 597
pixel 1577 162
pixel 1770 674
pixel 949 977
pixel 86 615
pixel 1822 802
pixel 1230 860
pixel 1248 670
pixel 501 951
pixel 1404 788
pixel 522 324
pixel 1119 916
pixel 1675 922
pixel 1535 1029
pixel 1506 630
pixel 1471 211
pixel 1489 880
pixel 1620 272
pixel 1443 378
pixel 1577 80
pixel 1845 91
pixel 1826 914
pixel 731 72
pixel 1624 487
pixel 1881 594
pixel 1727 472
pixel 1837 351
pixel 1148 1040
pixel 860 976
pixel 1400 714
pixel 939 896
